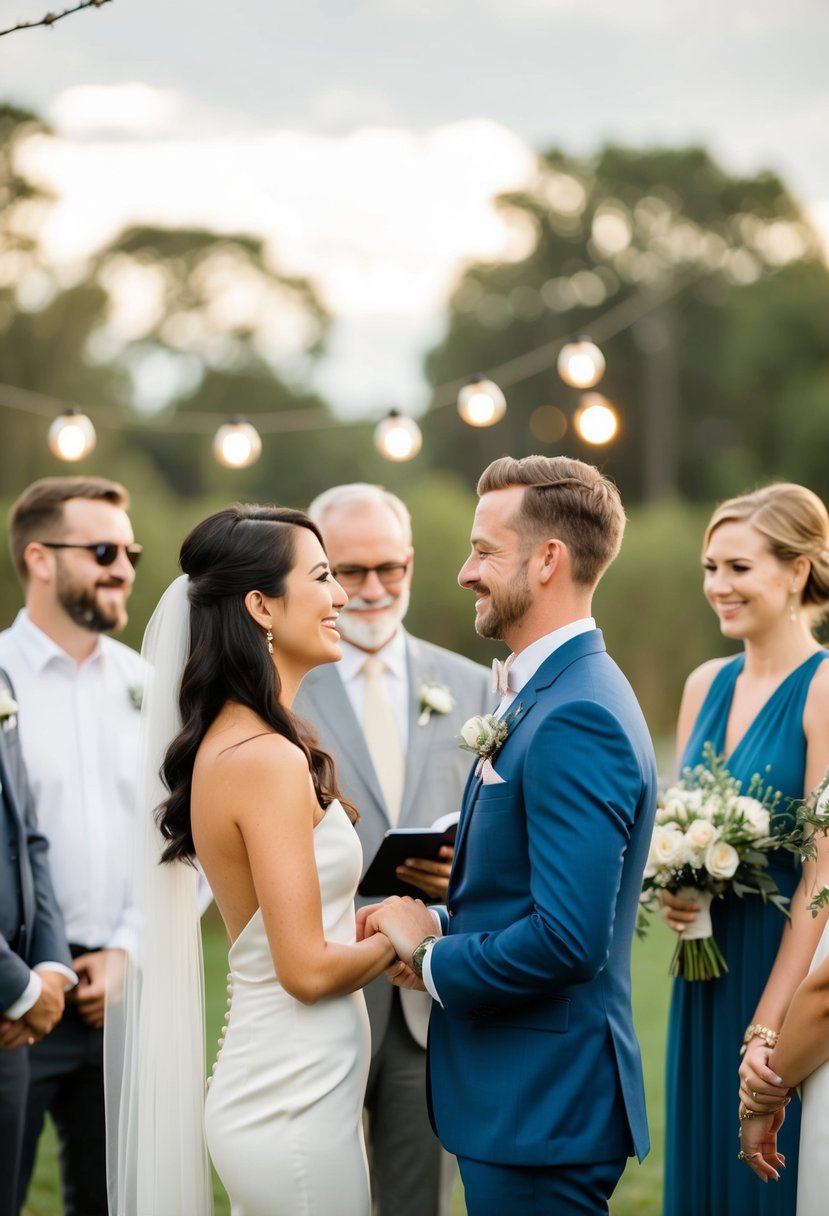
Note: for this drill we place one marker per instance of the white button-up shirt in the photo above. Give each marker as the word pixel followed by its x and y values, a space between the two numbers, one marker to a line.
pixel 79 732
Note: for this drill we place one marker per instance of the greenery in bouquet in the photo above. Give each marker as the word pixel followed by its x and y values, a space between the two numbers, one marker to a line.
pixel 813 817
pixel 712 836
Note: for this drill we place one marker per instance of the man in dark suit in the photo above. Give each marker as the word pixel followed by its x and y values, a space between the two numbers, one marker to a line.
pixel 534 1070
pixel 35 964
pixel 429 692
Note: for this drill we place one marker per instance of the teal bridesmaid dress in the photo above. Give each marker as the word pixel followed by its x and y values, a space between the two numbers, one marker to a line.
pixel 708 1018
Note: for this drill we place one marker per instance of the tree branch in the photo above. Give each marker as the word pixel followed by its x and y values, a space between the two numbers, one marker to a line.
pixel 51 18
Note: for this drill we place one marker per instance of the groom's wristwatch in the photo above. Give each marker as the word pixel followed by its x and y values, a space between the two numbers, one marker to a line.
pixel 419 953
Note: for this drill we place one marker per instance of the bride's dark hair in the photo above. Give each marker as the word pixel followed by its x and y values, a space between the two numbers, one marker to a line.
pixel 240 549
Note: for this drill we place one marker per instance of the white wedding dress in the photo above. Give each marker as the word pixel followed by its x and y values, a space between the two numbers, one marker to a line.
pixel 813 1167
pixel 284 1107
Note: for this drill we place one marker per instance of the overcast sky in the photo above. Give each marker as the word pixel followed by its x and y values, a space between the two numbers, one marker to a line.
pixel 365 138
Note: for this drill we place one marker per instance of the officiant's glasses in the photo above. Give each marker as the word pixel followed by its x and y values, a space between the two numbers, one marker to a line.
pixel 351 578
pixel 104 551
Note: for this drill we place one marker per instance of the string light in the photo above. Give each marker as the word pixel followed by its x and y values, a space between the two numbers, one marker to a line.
pixel 71 436
pixel 580 363
pixel 596 420
pixel 481 402
pixel 237 444
pixel 397 437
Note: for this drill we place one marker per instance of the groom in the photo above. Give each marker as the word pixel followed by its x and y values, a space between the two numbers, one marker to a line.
pixel 534 1070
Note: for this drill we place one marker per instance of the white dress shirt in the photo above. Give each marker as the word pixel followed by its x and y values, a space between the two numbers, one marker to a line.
pixel 79 732
pixel 395 679
pixel 524 666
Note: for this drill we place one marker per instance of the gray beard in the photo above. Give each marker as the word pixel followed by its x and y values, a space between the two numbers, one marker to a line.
pixel 372 635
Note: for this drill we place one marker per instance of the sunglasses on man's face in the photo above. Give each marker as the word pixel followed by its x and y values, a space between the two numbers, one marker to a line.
pixel 104 551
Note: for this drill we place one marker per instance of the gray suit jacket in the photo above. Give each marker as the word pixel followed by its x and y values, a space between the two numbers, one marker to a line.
pixel 31 926
pixel 436 771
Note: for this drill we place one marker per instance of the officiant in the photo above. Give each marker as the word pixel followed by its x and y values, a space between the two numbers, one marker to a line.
pixel 391 713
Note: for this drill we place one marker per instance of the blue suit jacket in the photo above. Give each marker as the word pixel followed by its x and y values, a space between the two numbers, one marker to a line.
pixel 31 926
pixel 533 1058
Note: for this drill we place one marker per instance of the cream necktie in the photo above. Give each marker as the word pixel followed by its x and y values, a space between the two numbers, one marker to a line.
pixel 382 736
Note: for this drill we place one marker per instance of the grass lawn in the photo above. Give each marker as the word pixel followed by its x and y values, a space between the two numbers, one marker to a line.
pixel 640 1191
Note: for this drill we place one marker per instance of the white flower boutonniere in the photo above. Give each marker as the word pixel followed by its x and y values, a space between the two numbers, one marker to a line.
pixel 435 698
pixel 485 735
pixel 136 695
pixel 8 709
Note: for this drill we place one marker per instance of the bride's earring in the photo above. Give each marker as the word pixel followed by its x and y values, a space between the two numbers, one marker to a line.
pixel 793 605
pixel 269 640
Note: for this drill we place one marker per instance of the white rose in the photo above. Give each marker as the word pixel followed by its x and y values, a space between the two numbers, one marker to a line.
pixel 437 697
pixel 701 833
pixel 472 730
pixel 666 845
pixel 756 816
pixel 721 859
pixel 8 705
pixel 672 808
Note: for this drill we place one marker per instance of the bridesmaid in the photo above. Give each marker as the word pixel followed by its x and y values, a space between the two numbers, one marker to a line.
pixel 766 563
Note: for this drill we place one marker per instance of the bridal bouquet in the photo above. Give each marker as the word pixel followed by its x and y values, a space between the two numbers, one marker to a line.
pixel 710 837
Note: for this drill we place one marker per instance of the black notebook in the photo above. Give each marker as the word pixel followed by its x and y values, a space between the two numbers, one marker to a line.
pixel 380 879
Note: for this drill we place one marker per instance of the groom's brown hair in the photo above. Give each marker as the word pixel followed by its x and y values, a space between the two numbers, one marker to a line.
pixel 566 499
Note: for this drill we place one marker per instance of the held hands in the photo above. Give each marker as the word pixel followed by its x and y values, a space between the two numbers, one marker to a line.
pixel 405 922
pixel 758 1143
pixel 432 877
pixel 677 913
pixel 40 1019
pixel 763 1102
pixel 760 1087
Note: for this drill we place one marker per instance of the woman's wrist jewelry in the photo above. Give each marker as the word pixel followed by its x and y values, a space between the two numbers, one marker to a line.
pixel 758 1031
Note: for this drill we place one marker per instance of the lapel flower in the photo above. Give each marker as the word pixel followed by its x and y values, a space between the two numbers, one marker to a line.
pixel 8 709
pixel 136 693
pixel 484 735
pixel 434 698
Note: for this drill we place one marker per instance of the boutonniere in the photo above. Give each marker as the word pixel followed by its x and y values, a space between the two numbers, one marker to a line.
pixel 485 736
pixel 8 709
pixel 136 695
pixel 435 698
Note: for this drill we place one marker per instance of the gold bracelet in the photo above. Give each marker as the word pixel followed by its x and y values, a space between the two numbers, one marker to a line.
pixel 757 1031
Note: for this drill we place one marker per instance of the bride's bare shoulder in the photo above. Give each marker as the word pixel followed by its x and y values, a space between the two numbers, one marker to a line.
pixel 241 750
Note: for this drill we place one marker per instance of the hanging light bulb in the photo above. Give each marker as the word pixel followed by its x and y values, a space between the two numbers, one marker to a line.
pixel 580 363
pixel 481 402
pixel 397 437
pixel 71 436
pixel 237 444
pixel 595 420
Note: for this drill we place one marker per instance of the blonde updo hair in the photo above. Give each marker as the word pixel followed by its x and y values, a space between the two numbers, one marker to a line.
pixel 794 522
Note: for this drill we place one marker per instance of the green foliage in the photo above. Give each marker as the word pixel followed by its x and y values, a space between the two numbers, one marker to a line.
pixel 722 384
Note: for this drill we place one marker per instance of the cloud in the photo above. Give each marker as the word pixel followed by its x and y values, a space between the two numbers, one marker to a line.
pixel 133 109
pixel 382 220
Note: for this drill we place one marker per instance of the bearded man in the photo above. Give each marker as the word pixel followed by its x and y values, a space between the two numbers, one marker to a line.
pixel 535 1079
pixel 79 693
pixel 390 712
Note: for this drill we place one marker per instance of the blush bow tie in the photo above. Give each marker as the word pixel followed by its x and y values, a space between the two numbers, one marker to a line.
pixel 500 676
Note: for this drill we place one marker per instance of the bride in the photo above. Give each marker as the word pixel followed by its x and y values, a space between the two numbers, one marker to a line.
pixel 247 794
pixel 800 1057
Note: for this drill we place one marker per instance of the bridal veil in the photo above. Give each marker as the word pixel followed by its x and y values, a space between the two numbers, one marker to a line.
pixel 154 1057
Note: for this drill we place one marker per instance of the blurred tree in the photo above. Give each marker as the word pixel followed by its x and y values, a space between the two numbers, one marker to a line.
pixel 731 285
pixel 160 324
